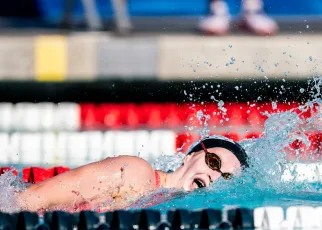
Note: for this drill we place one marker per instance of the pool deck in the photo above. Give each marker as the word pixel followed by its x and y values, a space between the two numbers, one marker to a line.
pixel 88 56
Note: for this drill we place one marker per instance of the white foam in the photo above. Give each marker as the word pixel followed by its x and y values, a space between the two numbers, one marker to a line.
pixel 10 185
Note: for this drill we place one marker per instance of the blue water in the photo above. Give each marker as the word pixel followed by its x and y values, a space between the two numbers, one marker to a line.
pixel 246 191
pixel 241 197
pixel 260 185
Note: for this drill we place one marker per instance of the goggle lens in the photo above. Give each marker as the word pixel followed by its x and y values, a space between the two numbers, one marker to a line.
pixel 214 162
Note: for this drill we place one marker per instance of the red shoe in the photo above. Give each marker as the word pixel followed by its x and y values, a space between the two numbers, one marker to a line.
pixel 219 22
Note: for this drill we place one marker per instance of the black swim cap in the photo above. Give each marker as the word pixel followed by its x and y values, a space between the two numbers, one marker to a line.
pixel 223 142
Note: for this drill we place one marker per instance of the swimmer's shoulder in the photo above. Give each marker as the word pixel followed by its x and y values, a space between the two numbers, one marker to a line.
pixel 134 168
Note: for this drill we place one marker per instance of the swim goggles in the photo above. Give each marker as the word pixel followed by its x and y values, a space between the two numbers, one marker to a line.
pixel 214 162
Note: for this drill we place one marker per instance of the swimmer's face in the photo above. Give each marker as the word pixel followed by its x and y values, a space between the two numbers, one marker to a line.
pixel 196 173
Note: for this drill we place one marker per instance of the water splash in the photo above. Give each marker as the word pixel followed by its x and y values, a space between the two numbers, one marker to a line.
pixel 263 182
pixel 168 163
pixel 203 119
pixel 9 186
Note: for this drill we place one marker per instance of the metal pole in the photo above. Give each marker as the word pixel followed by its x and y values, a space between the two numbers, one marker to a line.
pixel 93 19
pixel 121 16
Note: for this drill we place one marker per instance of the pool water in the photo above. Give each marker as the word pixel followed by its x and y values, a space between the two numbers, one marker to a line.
pixel 246 196
pixel 262 184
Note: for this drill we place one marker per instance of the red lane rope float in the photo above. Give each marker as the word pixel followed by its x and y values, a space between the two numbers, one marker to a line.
pixel 36 174
pixel 5 169
pixel 171 115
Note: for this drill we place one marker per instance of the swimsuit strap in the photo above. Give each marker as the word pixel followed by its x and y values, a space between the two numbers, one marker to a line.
pixel 157 179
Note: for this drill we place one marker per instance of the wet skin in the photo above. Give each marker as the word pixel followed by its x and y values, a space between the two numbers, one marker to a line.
pixel 117 182
pixel 195 172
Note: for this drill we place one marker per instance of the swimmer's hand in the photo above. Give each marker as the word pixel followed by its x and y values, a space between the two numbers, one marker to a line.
pixel 118 181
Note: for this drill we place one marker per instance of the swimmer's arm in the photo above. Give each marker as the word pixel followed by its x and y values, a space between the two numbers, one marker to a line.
pixel 94 183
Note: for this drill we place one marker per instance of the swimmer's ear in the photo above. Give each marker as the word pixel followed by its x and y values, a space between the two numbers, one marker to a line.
pixel 186 158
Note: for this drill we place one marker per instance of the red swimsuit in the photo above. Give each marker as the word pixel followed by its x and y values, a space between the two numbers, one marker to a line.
pixel 157 179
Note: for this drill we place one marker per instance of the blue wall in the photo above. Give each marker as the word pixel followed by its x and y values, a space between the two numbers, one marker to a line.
pixel 51 10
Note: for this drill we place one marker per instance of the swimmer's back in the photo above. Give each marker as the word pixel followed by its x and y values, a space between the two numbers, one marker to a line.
pixel 118 180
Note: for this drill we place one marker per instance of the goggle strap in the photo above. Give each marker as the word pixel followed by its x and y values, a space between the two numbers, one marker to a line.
pixel 203 146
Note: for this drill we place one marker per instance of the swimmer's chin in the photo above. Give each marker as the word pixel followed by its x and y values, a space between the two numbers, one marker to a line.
pixel 191 187
pixel 188 187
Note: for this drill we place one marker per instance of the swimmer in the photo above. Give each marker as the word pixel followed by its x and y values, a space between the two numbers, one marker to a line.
pixel 118 182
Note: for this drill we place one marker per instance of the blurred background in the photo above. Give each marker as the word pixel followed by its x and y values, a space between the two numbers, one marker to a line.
pixel 82 80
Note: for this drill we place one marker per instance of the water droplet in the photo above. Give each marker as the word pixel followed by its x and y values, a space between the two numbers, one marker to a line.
pixel 236 87
pixel 310 58
pixel 223 109
pixel 285 74
pixel 266 77
pixel 230 46
pixel 274 105
pixel 307 26
pixel 233 59
pixel 221 103
pixel 302 90
pixel 185 93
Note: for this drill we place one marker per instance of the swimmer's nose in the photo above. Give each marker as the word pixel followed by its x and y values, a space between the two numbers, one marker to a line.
pixel 214 176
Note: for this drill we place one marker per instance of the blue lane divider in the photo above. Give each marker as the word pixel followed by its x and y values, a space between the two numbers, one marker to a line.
pixel 140 219
pixel 238 218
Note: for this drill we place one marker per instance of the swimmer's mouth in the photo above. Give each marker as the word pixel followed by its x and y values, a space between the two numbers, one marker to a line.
pixel 199 183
